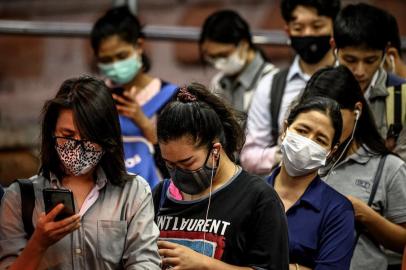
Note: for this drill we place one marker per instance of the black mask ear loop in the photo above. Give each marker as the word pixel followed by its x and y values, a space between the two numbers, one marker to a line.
pixel 345 148
pixel 214 154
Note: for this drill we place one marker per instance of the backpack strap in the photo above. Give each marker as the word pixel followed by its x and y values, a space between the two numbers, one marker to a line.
pixel 396 109
pixel 160 99
pixel 276 94
pixel 1 193
pixel 27 205
pixel 164 190
pixel 377 179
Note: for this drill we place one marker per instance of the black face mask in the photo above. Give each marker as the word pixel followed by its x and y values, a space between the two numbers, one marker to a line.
pixel 311 49
pixel 196 181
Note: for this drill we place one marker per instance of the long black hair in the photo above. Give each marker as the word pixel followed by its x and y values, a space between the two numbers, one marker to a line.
pixel 96 118
pixel 340 84
pixel 198 113
pixel 121 22
pixel 325 105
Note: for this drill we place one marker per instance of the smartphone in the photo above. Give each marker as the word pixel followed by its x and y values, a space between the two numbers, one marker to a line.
pixel 117 90
pixel 53 197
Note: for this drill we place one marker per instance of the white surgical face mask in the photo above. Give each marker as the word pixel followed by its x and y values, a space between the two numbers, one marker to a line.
pixel 232 64
pixel 301 155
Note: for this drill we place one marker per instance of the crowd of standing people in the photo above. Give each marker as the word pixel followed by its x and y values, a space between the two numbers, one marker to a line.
pixel 267 168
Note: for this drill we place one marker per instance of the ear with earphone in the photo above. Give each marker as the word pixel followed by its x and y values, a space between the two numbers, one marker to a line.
pixel 357 114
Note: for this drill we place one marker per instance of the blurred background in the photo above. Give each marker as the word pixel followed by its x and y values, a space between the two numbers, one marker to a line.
pixel 32 66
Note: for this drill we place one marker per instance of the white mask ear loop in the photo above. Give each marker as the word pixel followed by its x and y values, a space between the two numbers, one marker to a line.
pixel 392 63
pixel 208 204
pixel 344 150
pixel 336 62
pixel 383 60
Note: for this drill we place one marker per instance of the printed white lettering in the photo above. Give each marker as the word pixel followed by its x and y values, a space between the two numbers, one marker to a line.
pixel 192 225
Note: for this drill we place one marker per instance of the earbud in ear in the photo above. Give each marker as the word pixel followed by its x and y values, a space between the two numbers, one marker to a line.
pixel 357 114
pixel 215 151
pixel 391 58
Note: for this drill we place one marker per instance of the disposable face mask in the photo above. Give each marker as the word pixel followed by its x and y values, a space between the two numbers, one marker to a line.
pixel 123 71
pixel 311 49
pixel 193 182
pixel 78 161
pixel 232 64
pixel 300 155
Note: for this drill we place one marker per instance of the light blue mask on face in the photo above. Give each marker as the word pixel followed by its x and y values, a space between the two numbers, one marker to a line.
pixel 123 71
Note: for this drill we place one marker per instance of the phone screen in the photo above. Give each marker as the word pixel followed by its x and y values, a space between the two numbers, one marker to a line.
pixel 53 197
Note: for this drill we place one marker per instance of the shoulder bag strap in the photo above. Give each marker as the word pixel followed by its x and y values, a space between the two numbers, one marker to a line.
pixel 27 204
pixel 375 185
pixel 377 179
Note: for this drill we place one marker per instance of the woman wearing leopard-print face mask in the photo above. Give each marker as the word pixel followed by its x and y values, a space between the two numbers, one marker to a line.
pixel 112 227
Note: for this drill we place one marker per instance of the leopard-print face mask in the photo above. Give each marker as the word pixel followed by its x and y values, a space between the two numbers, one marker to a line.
pixel 77 160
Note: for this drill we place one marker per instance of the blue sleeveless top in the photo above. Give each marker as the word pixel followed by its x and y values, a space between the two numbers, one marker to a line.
pixel 138 151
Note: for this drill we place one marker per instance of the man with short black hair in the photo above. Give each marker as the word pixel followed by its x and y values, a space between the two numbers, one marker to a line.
pixel 361 37
pixel 309 24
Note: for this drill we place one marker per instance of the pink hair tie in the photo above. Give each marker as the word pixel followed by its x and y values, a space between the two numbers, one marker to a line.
pixel 185 96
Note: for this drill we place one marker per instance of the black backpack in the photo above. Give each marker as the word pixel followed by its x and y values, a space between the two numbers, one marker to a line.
pixel 276 94
pixel 395 109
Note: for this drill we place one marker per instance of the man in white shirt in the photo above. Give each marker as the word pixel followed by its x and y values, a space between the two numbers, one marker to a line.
pixel 309 25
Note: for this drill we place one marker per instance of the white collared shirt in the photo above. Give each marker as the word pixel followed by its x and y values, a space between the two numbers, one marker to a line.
pixel 257 156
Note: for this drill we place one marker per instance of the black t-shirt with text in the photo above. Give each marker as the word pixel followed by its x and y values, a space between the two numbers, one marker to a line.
pixel 246 224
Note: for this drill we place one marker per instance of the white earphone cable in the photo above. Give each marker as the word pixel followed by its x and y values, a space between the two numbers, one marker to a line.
pixel 344 150
pixel 208 205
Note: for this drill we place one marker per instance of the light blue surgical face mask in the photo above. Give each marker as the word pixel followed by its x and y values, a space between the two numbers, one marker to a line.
pixel 123 71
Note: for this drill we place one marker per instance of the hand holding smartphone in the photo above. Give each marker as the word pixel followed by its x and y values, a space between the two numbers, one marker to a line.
pixel 53 197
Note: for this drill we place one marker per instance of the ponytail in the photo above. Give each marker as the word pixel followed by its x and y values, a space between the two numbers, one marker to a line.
pixel 198 113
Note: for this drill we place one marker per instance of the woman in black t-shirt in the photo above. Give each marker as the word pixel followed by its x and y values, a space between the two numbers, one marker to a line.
pixel 211 213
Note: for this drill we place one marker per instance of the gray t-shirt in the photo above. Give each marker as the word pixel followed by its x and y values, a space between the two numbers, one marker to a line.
pixel 354 176
pixel 401 143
